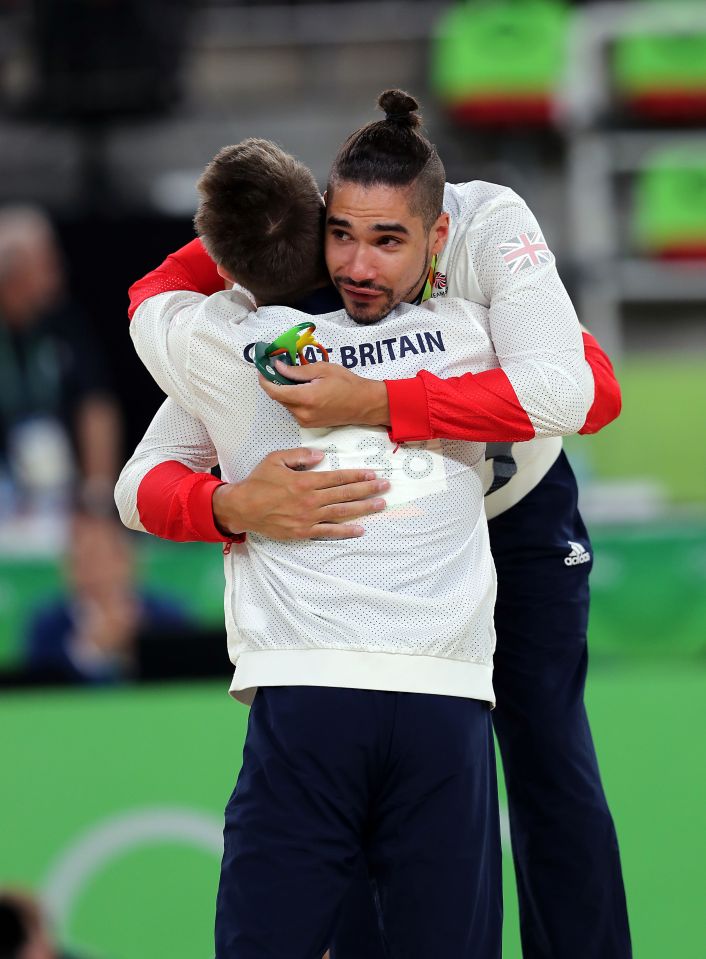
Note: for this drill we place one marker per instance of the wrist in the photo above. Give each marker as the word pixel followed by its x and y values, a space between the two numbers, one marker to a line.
pixel 376 405
pixel 226 515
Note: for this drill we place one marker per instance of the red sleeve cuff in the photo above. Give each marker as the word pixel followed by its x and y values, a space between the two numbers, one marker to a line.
pixel 409 413
pixel 199 511
pixel 175 502
pixel 607 400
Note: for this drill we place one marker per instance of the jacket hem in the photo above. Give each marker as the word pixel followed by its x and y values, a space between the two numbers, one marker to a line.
pixel 388 672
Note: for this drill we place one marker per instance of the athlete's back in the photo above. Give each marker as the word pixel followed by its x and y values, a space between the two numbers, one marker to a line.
pixel 408 607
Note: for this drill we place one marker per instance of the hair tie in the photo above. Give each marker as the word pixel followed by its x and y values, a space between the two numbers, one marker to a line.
pixel 398 116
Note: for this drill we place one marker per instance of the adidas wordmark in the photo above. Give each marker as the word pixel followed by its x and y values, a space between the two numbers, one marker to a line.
pixel 579 554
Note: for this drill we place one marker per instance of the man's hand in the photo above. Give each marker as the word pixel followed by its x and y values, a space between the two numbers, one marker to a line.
pixel 281 499
pixel 326 394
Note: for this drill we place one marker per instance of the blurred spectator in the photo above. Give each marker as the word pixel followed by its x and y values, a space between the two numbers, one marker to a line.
pixel 24 933
pixel 93 633
pixel 55 407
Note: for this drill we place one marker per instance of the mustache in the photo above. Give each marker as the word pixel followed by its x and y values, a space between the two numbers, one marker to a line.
pixel 361 285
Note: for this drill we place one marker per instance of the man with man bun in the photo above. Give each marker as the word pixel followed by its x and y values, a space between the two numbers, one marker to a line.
pixel 537 500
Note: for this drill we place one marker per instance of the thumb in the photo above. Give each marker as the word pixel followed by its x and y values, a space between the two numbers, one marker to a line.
pixel 301 458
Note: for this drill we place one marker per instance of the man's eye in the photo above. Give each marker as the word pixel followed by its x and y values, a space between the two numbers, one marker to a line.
pixel 388 241
pixel 340 235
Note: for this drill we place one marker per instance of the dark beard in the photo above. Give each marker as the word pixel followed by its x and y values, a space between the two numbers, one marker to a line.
pixel 390 302
pixel 383 311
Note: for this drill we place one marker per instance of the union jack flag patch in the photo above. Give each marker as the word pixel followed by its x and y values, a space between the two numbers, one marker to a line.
pixel 525 250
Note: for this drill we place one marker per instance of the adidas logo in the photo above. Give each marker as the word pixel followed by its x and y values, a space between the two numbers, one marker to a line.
pixel 579 554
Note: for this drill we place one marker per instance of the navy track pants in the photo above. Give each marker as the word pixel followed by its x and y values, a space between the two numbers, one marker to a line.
pixel 332 778
pixel 569 879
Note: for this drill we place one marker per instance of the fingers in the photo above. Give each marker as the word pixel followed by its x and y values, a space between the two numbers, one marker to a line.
pixel 299 458
pixel 337 531
pixel 302 458
pixel 283 392
pixel 352 492
pixel 345 512
pixel 274 390
pixel 336 519
pixel 331 479
pixel 301 374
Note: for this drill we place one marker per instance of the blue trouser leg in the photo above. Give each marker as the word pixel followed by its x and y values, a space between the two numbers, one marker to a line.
pixel 330 775
pixel 570 888
pixel 459 899
pixel 292 826
pixel 358 932
pixel 434 851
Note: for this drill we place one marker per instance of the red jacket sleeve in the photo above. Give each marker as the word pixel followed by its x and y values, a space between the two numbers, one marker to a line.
pixel 174 502
pixel 483 407
pixel 190 268
pixel 607 401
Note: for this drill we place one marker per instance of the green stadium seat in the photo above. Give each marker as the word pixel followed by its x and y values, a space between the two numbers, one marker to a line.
pixel 669 215
pixel 498 62
pixel 662 77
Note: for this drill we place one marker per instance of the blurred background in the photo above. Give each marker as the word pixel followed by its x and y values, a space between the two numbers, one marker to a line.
pixel 118 743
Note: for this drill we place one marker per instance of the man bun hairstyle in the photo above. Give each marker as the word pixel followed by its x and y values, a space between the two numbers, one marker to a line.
pixel 394 152
pixel 260 216
pixel 400 107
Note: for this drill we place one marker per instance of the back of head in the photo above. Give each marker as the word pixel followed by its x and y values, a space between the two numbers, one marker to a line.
pixel 260 217
pixel 394 152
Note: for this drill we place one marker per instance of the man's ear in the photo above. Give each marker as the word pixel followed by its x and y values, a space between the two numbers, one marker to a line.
pixel 439 233
pixel 228 277
pixel 325 197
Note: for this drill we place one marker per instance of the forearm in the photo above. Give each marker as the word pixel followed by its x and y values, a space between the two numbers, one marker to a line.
pixel 484 407
pixel 176 503
pixel 478 407
pixel 166 487
pixel 506 263
pixel 169 500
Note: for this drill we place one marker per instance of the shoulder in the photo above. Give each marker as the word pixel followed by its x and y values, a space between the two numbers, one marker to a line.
pixel 453 306
pixel 477 199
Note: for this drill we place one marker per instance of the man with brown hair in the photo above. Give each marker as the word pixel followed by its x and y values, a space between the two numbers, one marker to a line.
pixel 255 182
pixel 241 209
pixel 367 664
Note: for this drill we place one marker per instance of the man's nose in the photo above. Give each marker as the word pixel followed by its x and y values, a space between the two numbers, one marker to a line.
pixel 360 266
